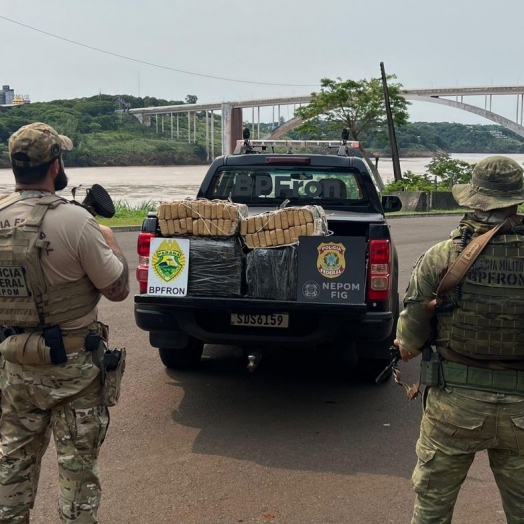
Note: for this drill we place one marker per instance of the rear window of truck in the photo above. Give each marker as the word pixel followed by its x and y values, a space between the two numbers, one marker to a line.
pixel 299 185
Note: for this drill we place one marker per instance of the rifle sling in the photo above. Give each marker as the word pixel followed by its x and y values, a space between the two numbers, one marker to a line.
pixel 460 267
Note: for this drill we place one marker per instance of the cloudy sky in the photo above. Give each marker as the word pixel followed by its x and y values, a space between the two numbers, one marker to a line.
pixel 288 43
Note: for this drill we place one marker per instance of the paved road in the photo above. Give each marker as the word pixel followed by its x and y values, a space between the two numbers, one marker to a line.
pixel 287 445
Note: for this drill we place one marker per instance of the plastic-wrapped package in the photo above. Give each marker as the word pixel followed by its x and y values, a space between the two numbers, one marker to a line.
pixel 216 267
pixel 201 217
pixel 283 226
pixel 272 273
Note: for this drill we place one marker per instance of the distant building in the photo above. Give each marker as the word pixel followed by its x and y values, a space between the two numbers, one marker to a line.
pixel 7 95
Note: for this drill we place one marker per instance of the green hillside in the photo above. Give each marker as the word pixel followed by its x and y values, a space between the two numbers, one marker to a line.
pixel 106 135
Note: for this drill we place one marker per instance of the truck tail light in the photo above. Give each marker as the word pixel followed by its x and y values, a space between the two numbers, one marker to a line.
pixel 379 268
pixel 143 247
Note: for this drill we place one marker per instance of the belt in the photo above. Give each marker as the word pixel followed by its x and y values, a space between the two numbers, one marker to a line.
pixel 74 340
pixel 494 380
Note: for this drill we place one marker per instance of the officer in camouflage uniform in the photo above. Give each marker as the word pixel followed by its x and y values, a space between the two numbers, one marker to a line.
pixel 475 399
pixel 52 384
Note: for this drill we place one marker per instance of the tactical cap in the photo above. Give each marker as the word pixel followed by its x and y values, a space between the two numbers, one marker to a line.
pixel 496 183
pixel 39 142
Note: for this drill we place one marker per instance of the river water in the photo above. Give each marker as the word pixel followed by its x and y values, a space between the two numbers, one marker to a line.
pixel 136 185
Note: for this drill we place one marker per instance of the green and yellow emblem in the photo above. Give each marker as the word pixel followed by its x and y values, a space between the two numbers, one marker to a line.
pixel 331 262
pixel 168 260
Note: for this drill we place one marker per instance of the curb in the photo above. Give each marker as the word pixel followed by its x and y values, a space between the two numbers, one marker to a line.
pixel 126 229
pixel 458 213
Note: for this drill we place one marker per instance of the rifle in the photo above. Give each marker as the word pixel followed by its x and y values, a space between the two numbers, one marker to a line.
pixel 97 201
pixel 395 357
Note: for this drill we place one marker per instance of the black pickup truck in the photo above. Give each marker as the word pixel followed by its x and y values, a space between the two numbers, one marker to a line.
pixel 354 316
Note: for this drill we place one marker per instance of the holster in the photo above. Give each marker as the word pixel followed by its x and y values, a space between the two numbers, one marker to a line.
pixel 113 367
pixel 430 367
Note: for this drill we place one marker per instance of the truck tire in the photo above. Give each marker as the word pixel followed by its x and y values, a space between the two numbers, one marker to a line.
pixel 187 357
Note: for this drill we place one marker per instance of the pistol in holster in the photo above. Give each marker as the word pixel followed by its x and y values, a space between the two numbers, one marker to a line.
pixel 430 366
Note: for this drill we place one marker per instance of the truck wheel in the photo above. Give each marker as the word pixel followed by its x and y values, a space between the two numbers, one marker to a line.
pixel 182 358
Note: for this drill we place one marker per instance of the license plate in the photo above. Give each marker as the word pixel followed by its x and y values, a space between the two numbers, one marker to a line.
pixel 277 320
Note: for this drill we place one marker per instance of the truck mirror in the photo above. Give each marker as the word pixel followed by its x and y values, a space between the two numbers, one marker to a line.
pixel 391 203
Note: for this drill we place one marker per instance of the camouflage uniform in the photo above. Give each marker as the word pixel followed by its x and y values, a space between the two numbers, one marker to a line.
pixel 37 399
pixel 459 421
pixel 29 403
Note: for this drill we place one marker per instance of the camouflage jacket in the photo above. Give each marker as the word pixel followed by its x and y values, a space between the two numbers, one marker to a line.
pixel 414 324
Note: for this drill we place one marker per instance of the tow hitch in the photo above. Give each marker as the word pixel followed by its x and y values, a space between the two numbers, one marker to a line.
pixel 254 359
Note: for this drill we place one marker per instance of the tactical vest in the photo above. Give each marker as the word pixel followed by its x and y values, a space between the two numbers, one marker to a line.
pixel 488 318
pixel 26 298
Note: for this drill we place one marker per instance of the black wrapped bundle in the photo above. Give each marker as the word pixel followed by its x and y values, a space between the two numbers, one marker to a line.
pixel 215 267
pixel 272 273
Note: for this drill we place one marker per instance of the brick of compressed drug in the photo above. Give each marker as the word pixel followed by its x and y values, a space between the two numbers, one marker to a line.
pixel 285 221
pixel 216 267
pixel 302 217
pixel 290 217
pixel 243 227
pixel 309 216
pixel 174 210
pixel 278 220
pixel 310 229
pixel 164 229
pixel 287 236
pixel 280 237
pixel 272 273
pixel 227 227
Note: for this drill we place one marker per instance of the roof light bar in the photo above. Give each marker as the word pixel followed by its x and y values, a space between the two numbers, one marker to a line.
pixel 298 143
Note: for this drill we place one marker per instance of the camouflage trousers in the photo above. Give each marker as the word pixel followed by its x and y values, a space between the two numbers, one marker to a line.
pixel 30 414
pixel 456 424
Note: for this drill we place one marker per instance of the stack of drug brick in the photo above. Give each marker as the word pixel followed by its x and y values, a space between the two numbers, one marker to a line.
pixel 216 259
pixel 283 226
pixel 272 263
pixel 205 218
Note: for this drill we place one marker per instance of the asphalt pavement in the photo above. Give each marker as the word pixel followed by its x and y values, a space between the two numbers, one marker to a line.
pixel 291 443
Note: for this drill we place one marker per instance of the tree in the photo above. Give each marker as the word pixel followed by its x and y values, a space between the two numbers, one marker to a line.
pixel 357 105
pixel 410 182
pixel 450 170
pixel 191 99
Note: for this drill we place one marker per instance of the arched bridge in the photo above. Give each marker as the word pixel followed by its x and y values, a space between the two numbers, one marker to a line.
pixel 184 118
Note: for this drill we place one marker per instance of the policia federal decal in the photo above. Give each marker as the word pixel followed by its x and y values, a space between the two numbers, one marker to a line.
pixel 331 262
pixel 326 275
pixel 12 282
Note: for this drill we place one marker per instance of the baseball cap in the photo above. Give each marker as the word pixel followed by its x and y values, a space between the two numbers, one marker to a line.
pixel 36 144
pixel 496 182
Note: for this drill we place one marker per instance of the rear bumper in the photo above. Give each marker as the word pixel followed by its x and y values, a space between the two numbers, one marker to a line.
pixel 209 320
